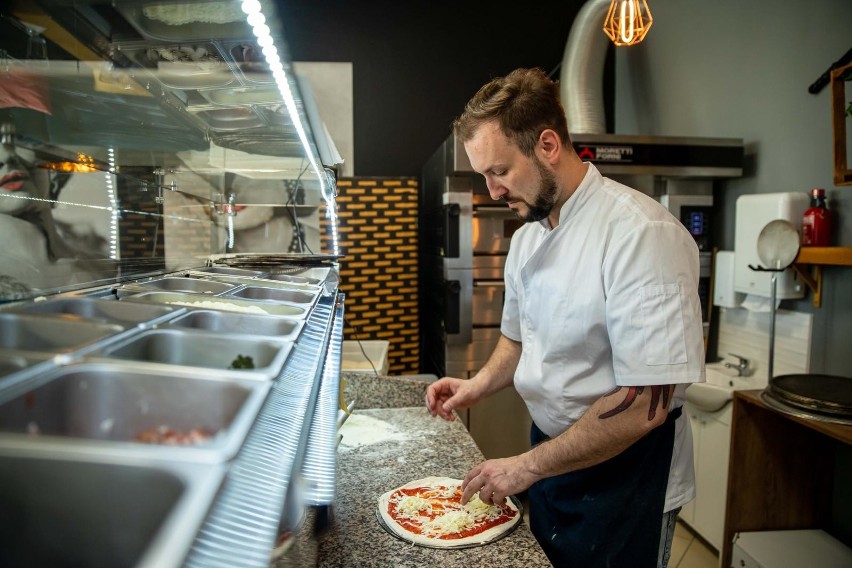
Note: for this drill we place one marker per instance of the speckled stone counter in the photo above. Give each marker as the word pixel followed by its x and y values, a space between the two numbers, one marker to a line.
pixel 378 391
pixel 414 445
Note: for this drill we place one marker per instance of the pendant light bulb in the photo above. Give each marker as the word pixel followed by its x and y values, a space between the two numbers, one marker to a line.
pixel 627 21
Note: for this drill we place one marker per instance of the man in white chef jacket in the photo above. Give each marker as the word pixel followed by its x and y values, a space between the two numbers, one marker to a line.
pixel 601 335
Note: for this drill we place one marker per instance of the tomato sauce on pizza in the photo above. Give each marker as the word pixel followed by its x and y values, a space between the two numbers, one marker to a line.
pixel 430 512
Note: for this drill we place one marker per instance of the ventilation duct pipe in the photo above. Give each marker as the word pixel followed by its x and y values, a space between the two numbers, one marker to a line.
pixel 581 72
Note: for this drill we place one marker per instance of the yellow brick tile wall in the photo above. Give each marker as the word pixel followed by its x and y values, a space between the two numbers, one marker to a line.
pixel 377 230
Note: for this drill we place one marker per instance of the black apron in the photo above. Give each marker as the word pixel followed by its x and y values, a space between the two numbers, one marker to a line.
pixel 610 514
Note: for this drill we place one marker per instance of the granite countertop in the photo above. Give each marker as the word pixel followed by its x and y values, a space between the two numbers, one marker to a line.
pixel 388 447
pixel 380 391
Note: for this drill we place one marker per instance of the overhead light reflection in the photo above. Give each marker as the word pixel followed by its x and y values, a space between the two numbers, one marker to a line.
pixel 82 165
pixel 254 11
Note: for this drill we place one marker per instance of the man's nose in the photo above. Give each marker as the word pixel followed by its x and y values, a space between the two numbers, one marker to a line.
pixel 496 190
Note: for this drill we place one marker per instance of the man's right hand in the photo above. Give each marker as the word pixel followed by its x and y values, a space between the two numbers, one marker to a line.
pixel 447 394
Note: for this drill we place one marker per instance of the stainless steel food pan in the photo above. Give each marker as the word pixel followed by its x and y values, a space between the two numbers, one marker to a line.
pixel 234 279
pixel 192 65
pixel 200 349
pixel 279 327
pixel 41 333
pixel 297 297
pixel 11 362
pixel 313 274
pixel 243 95
pixel 264 282
pixel 119 405
pixel 177 284
pixel 103 310
pixel 63 506
pixel 226 270
pixel 292 278
pixel 237 118
pixel 229 304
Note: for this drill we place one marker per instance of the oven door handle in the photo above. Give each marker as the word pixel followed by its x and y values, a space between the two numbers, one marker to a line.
pixel 452 301
pixel 452 212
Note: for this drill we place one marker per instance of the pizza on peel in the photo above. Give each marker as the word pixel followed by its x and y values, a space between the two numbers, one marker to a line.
pixel 429 512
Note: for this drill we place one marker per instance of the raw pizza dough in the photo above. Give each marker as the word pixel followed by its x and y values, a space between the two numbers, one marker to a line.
pixel 454 520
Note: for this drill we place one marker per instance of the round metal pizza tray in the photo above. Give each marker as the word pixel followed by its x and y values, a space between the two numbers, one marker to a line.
pixel 827 394
pixel 514 500
pixel 781 406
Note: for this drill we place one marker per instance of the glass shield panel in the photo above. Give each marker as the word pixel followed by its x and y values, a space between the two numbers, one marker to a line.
pixel 142 137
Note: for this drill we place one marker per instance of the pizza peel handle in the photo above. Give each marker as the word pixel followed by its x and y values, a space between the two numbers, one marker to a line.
pixel 778 244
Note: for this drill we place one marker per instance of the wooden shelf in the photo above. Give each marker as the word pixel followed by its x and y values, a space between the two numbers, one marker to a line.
pixel 834 256
pixel 781 473
pixel 816 258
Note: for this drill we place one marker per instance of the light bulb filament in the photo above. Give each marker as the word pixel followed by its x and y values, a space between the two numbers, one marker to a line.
pixel 627 21
pixel 627 27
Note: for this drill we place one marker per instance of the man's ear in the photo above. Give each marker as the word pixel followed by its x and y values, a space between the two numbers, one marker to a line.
pixel 549 145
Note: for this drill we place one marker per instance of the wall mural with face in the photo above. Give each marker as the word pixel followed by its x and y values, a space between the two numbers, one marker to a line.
pixel 38 251
pixel 269 217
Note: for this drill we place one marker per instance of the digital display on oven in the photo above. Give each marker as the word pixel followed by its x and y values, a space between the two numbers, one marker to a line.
pixel 697 222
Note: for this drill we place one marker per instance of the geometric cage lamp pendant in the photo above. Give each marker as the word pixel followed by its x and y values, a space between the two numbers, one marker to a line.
pixel 627 21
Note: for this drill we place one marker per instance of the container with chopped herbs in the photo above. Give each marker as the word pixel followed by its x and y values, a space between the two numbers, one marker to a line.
pixel 242 362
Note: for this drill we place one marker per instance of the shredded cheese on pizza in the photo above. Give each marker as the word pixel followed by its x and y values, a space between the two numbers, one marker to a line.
pixel 439 513
pixel 409 505
pixel 481 511
pixel 451 522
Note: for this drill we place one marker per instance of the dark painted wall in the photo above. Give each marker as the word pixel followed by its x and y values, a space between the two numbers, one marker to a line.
pixel 416 63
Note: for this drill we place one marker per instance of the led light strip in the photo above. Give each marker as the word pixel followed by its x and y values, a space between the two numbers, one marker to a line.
pixel 113 204
pixel 257 21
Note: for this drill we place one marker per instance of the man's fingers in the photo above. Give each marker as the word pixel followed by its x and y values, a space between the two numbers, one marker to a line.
pixel 447 410
pixel 471 484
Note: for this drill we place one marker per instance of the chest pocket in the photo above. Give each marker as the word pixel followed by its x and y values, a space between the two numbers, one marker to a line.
pixel 662 325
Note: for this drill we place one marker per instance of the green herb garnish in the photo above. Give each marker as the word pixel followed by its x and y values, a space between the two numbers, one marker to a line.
pixel 242 362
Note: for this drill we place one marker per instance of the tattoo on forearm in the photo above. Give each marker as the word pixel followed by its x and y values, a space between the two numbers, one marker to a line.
pixel 658 394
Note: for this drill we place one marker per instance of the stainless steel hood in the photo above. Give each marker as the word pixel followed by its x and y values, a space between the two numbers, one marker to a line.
pixel 665 156
pixel 620 155
pixel 581 81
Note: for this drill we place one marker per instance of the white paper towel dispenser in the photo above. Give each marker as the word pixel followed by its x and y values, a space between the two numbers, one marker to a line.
pixel 724 294
pixel 754 211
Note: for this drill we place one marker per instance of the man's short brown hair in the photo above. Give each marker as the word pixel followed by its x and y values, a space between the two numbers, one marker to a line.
pixel 524 103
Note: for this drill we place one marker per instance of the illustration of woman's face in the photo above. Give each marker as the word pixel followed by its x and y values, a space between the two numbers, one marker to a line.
pixel 22 186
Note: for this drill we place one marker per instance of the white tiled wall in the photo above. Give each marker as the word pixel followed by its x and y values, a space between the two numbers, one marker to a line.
pixel 746 333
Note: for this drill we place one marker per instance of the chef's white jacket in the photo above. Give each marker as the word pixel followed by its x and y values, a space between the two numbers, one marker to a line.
pixel 608 298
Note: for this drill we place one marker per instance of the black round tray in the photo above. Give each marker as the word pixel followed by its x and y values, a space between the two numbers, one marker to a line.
pixel 827 394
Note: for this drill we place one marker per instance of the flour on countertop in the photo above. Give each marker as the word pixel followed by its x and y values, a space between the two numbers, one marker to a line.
pixel 361 430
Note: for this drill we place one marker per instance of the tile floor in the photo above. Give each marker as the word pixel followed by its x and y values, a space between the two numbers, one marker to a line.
pixel 688 551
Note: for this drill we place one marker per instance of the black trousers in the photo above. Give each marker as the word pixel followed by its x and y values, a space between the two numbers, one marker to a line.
pixel 608 515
